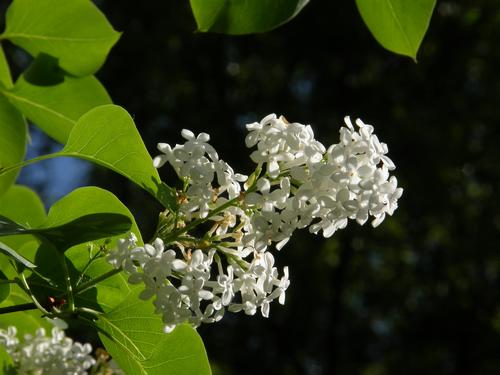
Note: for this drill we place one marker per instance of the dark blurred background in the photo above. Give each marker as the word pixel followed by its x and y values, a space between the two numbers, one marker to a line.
pixel 419 294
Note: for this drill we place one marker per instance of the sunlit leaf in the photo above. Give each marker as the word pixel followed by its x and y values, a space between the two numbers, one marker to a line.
pixel 22 205
pixel 5 76
pixel 242 16
pixel 24 321
pixel 75 32
pixel 55 101
pixel 66 234
pixel 110 292
pixel 107 136
pixel 398 25
pixel 134 336
pixel 13 130
pixel 76 218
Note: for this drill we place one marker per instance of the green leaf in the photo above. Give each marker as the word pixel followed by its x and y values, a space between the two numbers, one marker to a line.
pixel 107 135
pixel 6 363
pixel 22 205
pixel 4 287
pixel 14 255
pixel 74 219
pixel 75 32
pixel 134 336
pixel 87 201
pixel 244 17
pixel 13 130
pixel 9 227
pixel 25 321
pixel 55 101
pixel 66 234
pixel 110 292
pixel 85 228
pixel 5 76
pixel 80 217
pixel 398 25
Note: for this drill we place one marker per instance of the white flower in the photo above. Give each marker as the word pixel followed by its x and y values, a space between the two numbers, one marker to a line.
pixel 41 354
pixel 297 183
pixel 121 255
pixel 208 178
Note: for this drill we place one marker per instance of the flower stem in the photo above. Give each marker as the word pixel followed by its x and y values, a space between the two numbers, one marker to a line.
pixel 25 286
pixel 89 284
pixel 175 234
pixel 69 287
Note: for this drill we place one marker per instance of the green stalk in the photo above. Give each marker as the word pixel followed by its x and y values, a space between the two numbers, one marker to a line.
pixel 24 285
pixel 23 164
pixel 69 287
pixel 89 284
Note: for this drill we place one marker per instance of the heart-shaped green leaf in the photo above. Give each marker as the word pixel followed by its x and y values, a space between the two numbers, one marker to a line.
pixel 108 293
pixel 53 100
pixel 107 135
pixel 66 234
pixel 398 25
pixel 75 32
pixel 76 218
pixel 244 17
pixel 134 336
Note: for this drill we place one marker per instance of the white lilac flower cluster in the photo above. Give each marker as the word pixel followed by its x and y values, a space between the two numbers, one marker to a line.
pixel 41 354
pixel 297 183
pixel 186 290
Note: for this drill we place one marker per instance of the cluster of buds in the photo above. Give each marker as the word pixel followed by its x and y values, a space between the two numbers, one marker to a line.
pixel 212 254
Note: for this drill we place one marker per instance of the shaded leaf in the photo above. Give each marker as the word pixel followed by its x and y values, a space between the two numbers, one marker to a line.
pixel 14 255
pixel 74 219
pixel 75 32
pixel 242 16
pixel 398 25
pixel 87 201
pixel 66 234
pixel 134 336
pixel 108 293
pixel 85 228
pixel 54 101
pixel 4 288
